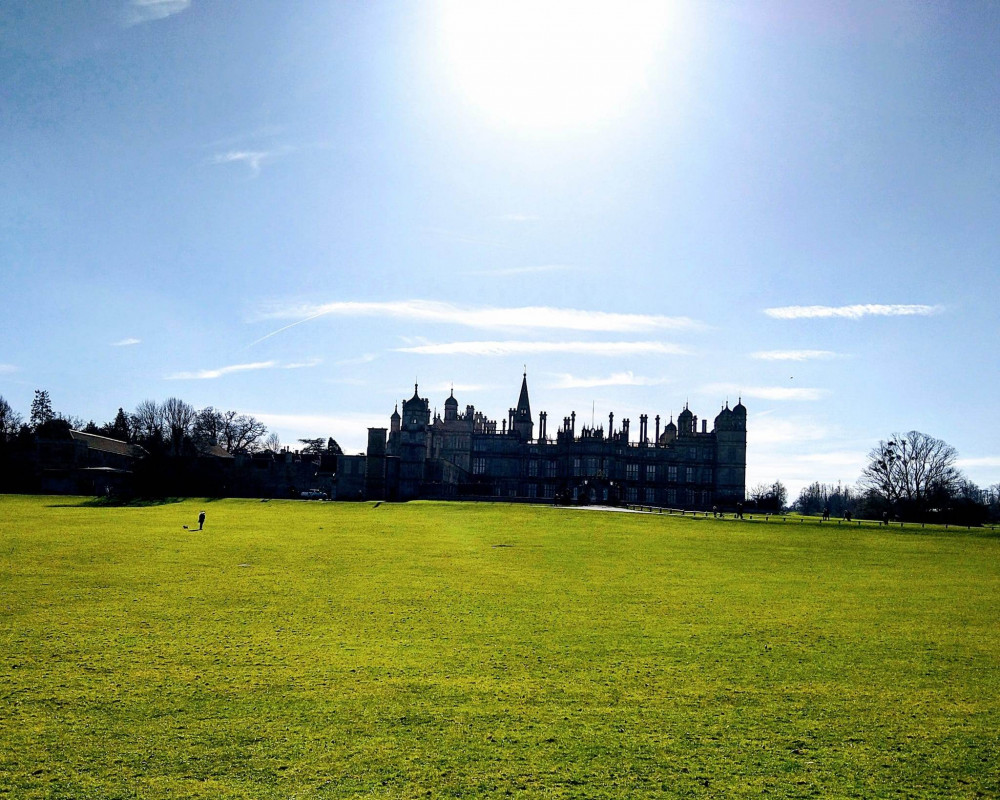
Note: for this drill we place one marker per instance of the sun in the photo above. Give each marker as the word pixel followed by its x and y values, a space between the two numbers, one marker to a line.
pixel 551 63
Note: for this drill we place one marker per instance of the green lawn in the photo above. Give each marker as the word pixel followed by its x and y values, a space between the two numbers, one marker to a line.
pixel 322 650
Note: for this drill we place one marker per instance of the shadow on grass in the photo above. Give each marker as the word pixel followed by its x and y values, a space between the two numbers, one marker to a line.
pixel 120 502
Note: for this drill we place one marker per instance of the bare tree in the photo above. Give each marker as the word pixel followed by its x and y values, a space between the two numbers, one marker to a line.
pixel 911 469
pixel 768 497
pixel 178 418
pixel 147 421
pixel 207 428
pixel 241 433
pixel 273 442
pixel 10 421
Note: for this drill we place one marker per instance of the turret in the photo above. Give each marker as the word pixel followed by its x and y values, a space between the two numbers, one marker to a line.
pixel 740 416
pixel 724 419
pixel 416 411
pixel 394 420
pixel 685 422
pixel 669 432
pixel 451 408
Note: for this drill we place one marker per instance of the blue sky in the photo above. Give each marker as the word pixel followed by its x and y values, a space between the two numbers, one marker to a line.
pixel 297 209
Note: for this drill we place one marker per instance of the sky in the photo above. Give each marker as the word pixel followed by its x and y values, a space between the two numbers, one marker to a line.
pixel 299 209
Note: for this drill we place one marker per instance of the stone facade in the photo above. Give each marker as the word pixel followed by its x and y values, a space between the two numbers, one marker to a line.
pixel 467 455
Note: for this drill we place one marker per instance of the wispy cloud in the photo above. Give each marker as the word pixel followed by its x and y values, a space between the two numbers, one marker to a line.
pixel 837 458
pixel 792 355
pixel 509 348
pixel 507 271
pixel 566 381
pixel 126 342
pixel 208 374
pixel 252 158
pixel 531 317
pixel 982 461
pixel 852 312
pixel 310 362
pixel 6 369
pixel 139 11
pixel 768 392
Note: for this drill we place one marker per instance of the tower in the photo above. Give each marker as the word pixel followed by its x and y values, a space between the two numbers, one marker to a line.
pixel 731 453
pixel 412 447
pixel 522 423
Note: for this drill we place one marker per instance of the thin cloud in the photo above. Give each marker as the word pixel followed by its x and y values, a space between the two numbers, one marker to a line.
pixel 852 312
pixel 252 158
pixel 209 374
pixel 769 392
pixel 836 458
pixel 982 461
pixel 792 355
pixel 566 381
pixel 509 348
pixel 366 358
pixel 139 11
pixel 312 362
pixel 126 342
pixel 532 317
pixel 6 369
pixel 507 271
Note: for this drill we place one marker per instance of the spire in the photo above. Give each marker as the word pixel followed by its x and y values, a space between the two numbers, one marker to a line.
pixel 523 406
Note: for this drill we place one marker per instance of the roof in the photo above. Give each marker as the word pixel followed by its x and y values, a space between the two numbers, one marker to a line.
pixel 107 445
pixel 216 450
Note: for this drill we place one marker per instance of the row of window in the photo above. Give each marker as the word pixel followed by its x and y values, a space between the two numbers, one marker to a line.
pixel 649 472
pixel 671 497
pixel 592 467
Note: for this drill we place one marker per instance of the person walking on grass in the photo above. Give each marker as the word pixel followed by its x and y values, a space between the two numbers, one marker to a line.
pixel 201 520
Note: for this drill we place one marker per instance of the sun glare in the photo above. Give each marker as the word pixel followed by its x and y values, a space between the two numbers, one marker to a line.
pixel 551 63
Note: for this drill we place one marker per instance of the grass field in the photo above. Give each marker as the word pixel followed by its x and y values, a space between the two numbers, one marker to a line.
pixel 322 650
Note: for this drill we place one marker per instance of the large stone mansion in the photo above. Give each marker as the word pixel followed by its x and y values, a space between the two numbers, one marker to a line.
pixel 467 455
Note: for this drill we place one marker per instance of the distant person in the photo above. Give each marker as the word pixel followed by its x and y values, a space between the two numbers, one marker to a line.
pixel 847 516
pixel 201 520
pixel 826 515
pixel 739 510
pixel 885 518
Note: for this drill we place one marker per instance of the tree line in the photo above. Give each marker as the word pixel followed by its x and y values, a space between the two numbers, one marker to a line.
pixel 171 427
pixel 909 477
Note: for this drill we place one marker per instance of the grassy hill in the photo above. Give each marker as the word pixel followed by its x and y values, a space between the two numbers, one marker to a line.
pixel 321 650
